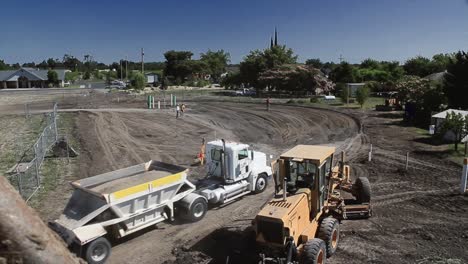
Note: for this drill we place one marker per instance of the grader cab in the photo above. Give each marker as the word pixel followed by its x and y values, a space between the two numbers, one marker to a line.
pixel 301 223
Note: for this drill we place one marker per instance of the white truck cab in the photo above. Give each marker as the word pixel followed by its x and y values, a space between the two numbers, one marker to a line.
pixel 233 171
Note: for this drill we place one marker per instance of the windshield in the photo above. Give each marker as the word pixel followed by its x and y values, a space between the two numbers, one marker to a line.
pixel 216 154
pixel 302 175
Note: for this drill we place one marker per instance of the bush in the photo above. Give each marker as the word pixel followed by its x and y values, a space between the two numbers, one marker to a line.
pixel 314 99
pixel 52 77
pixel 138 81
pixel 362 94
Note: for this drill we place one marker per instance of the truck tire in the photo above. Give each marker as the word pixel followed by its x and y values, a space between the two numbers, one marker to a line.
pixel 98 251
pixel 314 252
pixel 261 183
pixel 197 210
pixel 329 231
pixel 362 190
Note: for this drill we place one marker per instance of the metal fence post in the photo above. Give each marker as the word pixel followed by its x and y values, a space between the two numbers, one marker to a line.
pixel 20 189
pixel 38 180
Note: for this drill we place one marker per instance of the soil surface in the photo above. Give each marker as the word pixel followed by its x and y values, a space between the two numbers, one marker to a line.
pixel 418 215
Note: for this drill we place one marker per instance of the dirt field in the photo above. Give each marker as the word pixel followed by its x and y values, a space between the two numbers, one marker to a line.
pixel 418 215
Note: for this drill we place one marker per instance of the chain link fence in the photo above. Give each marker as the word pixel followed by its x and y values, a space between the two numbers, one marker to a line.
pixel 27 176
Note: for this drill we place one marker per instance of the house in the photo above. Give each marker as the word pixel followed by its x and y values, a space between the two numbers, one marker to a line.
pixel 438 120
pixel 28 78
pixel 151 78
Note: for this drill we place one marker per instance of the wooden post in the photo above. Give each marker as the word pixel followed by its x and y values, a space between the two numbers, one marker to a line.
pixel 464 176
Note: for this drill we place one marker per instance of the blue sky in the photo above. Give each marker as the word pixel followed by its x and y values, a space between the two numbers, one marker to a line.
pixel 109 30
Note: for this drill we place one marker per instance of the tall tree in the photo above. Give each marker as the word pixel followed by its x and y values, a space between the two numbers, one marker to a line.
pixel 418 66
pixel 316 63
pixel 52 77
pixel 51 63
pixel 456 81
pixel 176 64
pixel 216 62
pixel 4 66
pixel 344 73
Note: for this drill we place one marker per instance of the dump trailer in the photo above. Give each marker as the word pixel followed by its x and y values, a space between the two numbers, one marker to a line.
pixel 119 203
pixel 301 223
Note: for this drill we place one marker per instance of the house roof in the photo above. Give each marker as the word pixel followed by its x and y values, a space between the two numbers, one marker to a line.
pixel 30 73
pixel 438 76
pixel 443 114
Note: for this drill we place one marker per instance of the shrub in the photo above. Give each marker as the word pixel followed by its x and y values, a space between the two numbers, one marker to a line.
pixel 138 81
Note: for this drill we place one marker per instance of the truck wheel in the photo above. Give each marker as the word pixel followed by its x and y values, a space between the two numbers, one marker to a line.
pixel 98 251
pixel 261 183
pixel 362 190
pixel 198 210
pixel 329 231
pixel 314 252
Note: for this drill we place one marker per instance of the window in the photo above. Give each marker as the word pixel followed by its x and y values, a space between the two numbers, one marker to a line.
pixel 302 174
pixel 243 154
pixel 216 154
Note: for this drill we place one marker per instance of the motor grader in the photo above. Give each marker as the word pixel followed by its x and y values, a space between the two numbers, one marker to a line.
pixel 301 224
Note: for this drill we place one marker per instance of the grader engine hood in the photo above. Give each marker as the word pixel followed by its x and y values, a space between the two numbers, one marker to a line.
pixel 281 219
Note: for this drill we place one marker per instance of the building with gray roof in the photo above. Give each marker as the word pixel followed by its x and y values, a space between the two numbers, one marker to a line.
pixel 28 78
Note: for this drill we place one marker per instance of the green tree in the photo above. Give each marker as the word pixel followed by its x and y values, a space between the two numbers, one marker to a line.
pixel 216 61
pixel 139 81
pixel 456 81
pixel 4 66
pixel 370 64
pixel 110 76
pixel 344 73
pixel 418 66
pixel 316 63
pixel 457 124
pixel 87 75
pixel 362 94
pixel 279 55
pixel 440 62
pixel 251 67
pixel 52 77
pixel 425 95
pixel 343 91
pixel 176 66
pixel 51 63
pixel 70 62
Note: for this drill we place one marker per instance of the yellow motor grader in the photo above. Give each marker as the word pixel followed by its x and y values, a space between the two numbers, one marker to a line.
pixel 301 224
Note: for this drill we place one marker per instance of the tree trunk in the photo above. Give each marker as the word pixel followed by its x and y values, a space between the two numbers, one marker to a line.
pixel 23 235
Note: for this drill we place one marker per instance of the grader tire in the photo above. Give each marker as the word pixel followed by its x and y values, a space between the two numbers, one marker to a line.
pixel 362 190
pixel 329 232
pixel 314 252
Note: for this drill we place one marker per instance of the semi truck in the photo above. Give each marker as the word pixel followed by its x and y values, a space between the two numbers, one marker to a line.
pixel 118 203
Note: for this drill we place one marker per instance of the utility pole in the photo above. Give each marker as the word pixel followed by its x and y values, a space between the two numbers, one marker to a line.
pixel 142 61
pixel 121 65
pixel 126 69
pixel 341 58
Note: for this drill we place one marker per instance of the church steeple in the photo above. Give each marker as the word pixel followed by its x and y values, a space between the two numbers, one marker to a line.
pixel 276 38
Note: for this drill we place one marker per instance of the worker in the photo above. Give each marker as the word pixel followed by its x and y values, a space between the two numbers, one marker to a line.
pixel 182 110
pixel 177 110
pixel 268 103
